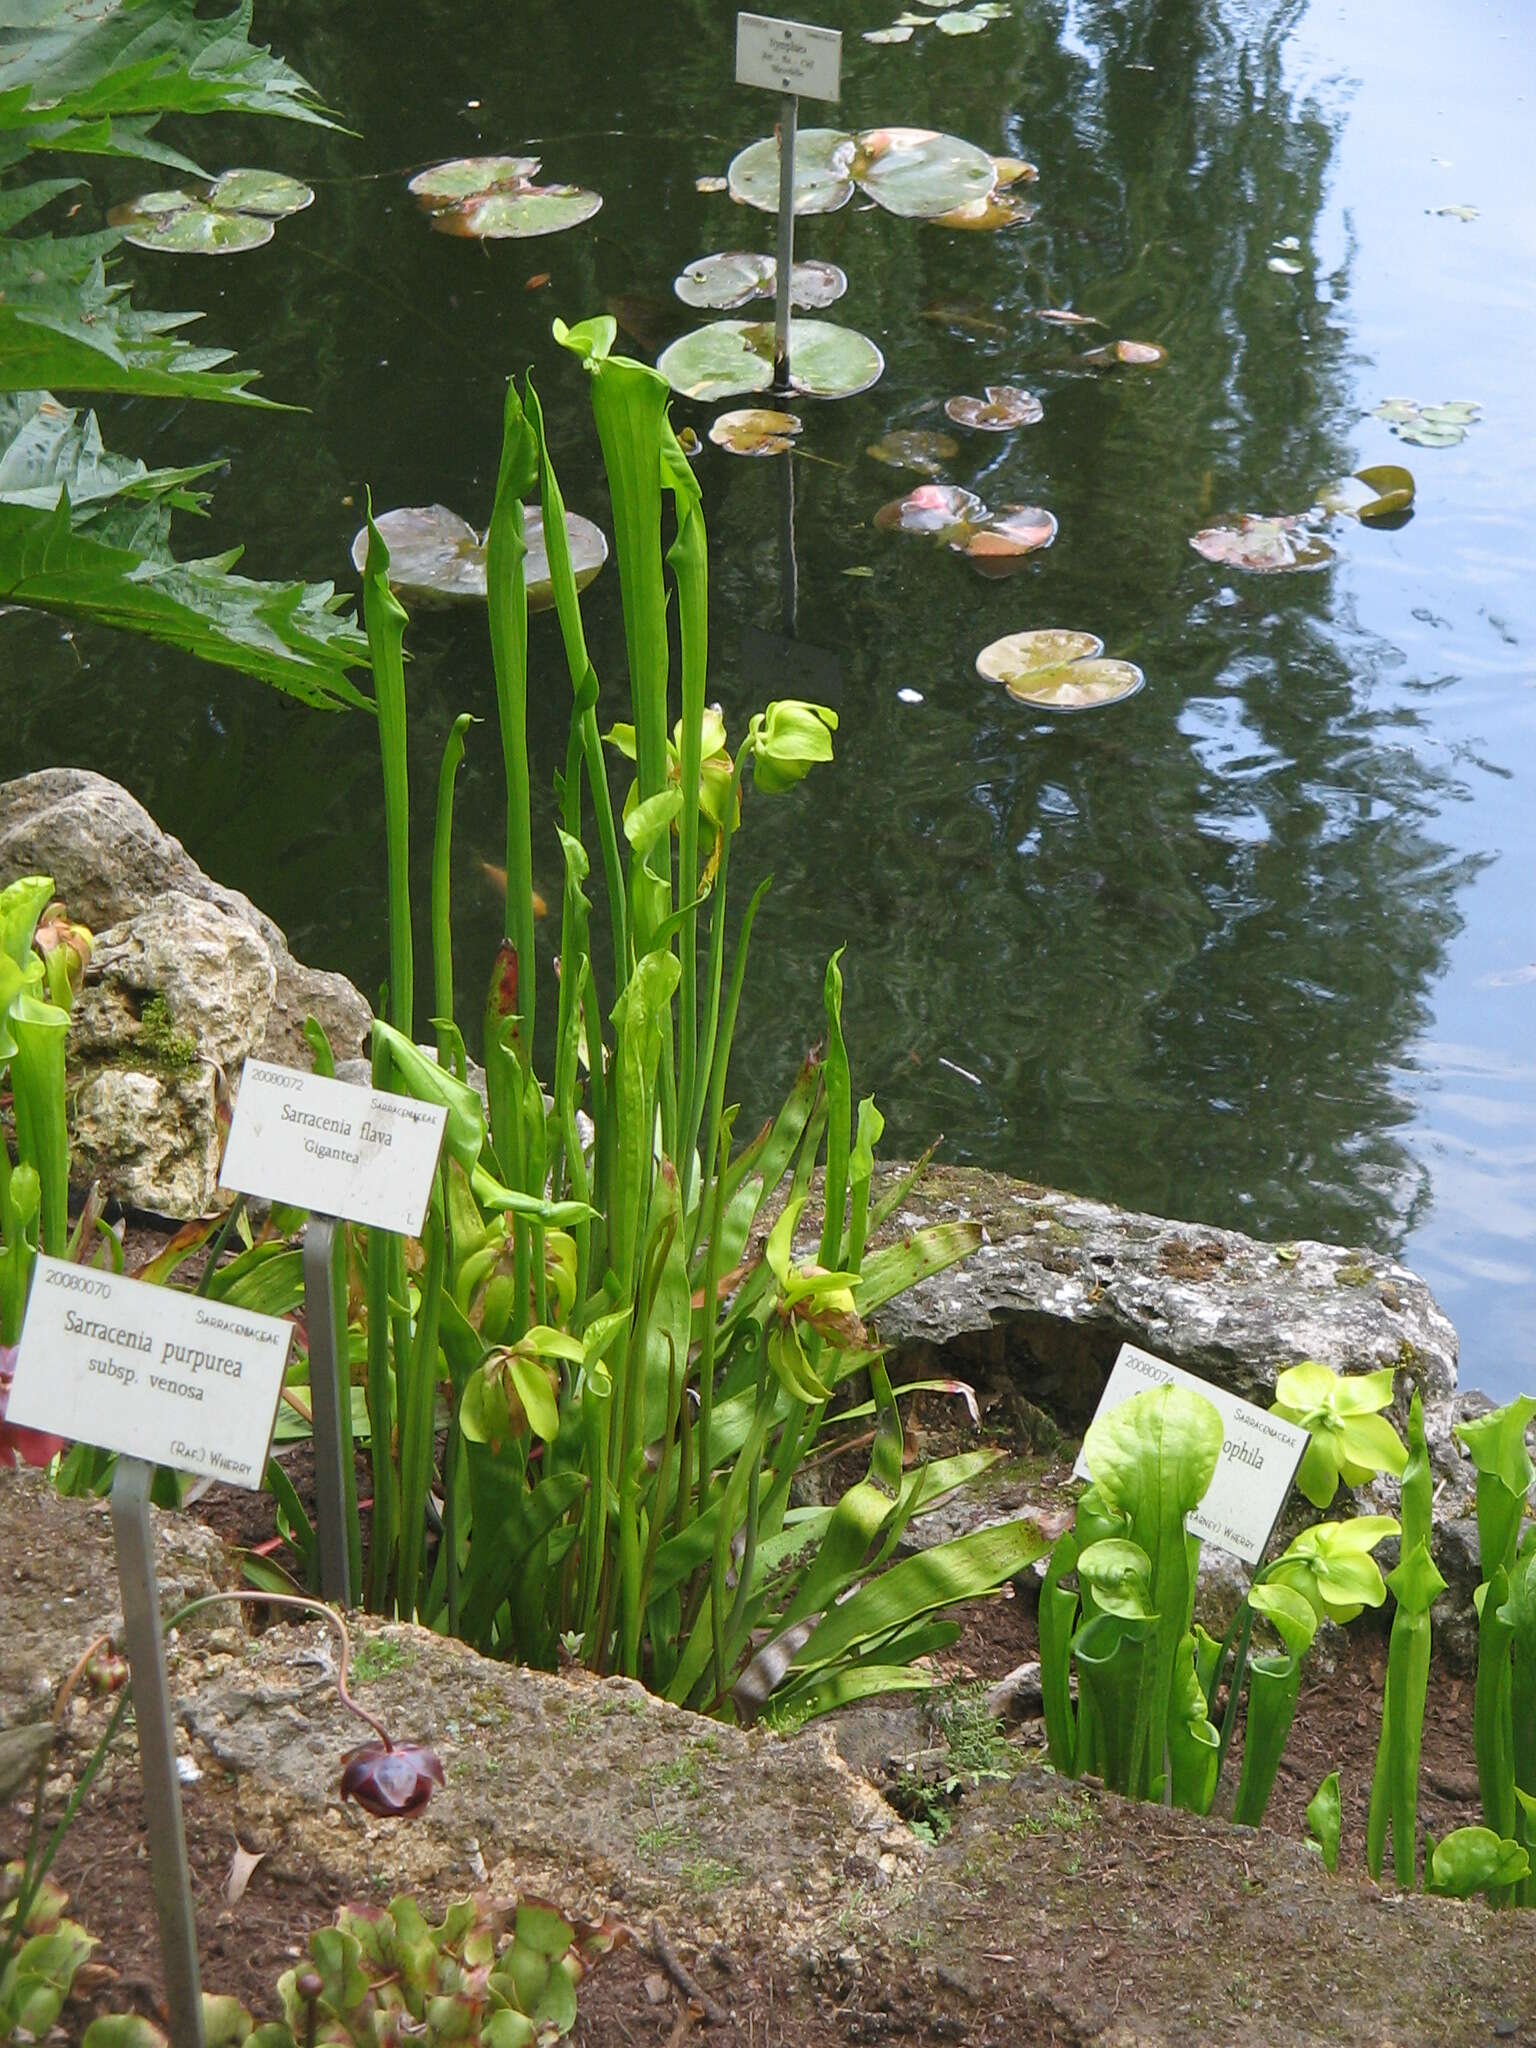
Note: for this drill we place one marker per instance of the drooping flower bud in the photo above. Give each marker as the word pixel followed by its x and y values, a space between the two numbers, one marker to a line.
pixel 391 1781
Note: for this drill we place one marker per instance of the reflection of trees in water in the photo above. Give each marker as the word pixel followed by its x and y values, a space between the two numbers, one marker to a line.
pixel 1184 945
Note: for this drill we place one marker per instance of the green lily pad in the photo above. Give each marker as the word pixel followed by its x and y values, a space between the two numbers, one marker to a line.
pixel 267 193
pixel 466 177
pixel 732 358
pixel 517 214
pixel 755 432
pixel 1429 426
pixel 1013 533
pixel 437 558
pixel 733 277
pixel 1057 670
pixel 197 230
pixel 916 448
pixel 823 161
pixel 233 212
pixel 964 21
pixel 1131 355
pixel 899 32
pixel 1004 407
pixel 1382 492
pixel 1264 545
pixel 917 172
pixel 938 511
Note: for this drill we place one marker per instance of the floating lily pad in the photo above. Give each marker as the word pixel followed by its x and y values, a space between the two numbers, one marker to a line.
pixel 437 558
pixel 1380 493
pixel 936 510
pixel 755 432
pixel 823 162
pixel 1263 544
pixel 1429 426
pixel 964 21
pixel 900 32
pixel 1057 670
pixel 466 177
pixel 1285 266
pixel 1014 533
pixel 997 209
pixel 1014 170
pixel 917 172
pixel 1003 408
pixel 732 358
pixel 736 276
pixel 916 448
pixel 1131 355
pixel 516 216
pixel 711 184
pixel 233 212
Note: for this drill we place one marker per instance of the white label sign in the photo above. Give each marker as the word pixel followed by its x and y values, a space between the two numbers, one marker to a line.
pixel 788 56
pixel 167 1377
pixel 339 1150
pixel 1259 1455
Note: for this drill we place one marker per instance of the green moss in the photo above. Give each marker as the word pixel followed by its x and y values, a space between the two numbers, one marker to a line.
pixel 1353 1276
pixel 662 1835
pixel 706 1874
pixel 158 1046
pixel 371 1660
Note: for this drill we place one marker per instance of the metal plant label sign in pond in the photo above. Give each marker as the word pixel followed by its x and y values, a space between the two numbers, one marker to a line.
pixel 170 1378
pixel 1259 1455
pixel 788 56
pixel 338 1150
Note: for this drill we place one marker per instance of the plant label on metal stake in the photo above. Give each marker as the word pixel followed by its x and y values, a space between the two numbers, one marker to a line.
pixel 162 1378
pixel 1260 1455
pixel 797 61
pixel 338 1151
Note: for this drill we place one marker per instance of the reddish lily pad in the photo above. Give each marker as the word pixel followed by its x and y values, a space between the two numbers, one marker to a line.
pixel 1004 407
pixel 755 432
pixel 437 558
pixel 1014 533
pixel 937 510
pixel 916 448
pixel 1265 545
pixel 1056 670
pixel 1134 355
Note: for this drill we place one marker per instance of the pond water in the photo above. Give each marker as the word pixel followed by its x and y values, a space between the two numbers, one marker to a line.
pixel 1255 947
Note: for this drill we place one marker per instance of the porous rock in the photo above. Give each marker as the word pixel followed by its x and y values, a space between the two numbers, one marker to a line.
pixel 109 860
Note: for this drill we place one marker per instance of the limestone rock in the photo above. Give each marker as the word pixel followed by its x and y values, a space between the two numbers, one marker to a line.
pixel 209 970
pixel 153 1139
pixel 109 860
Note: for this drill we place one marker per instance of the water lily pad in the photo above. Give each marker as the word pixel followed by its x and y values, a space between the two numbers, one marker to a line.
pixel 1429 426
pixel 996 209
pixel 1285 266
pixel 1131 355
pixel 823 162
pixel 1004 407
pixel 437 558
pixel 964 21
pixel 267 193
pixel 518 214
pixel 1013 533
pixel 916 448
pixel 1382 492
pixel 917 173
pixel 465 177
pixel 755 432
pixel 735 276
pixel 711 183
pixel 233 212
pixel 899 32
pixel 940 511
pixel 1014 170
pixel 731 358
pixel 1057 670
pixel 1263 544
pixel 195 230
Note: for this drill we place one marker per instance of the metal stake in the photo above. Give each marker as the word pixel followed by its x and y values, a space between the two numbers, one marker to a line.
pixel 172 1879
pixel 330 1394
pixel 789 117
